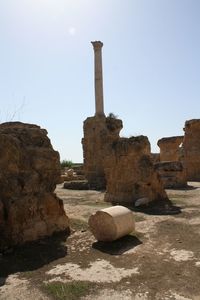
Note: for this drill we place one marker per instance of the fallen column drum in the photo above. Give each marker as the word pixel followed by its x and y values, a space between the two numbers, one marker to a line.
pixel 111 223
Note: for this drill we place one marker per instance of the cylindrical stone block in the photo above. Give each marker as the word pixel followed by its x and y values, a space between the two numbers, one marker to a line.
pixel 112 223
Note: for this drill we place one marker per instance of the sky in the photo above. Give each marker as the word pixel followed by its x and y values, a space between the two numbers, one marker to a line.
pixel 151 66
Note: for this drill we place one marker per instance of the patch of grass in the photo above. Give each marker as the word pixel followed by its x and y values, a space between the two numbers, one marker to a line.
pixel 78 224
pixel 68 291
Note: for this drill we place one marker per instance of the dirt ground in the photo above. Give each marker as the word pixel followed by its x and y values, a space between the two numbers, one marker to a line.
pixel 161 260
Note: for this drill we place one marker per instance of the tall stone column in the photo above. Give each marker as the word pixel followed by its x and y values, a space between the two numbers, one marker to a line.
pixel 97 45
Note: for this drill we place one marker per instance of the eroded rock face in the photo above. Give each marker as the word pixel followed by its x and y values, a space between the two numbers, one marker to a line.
pixel 170 148
pixel 29 172
pixel 191 146
pixel 99 134
pixel 130 173
pixel 172 173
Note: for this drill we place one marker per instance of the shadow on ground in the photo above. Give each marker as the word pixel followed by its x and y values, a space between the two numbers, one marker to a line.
pixel 164 207
pixel 119 246
pixel 32 255
pixel 186 188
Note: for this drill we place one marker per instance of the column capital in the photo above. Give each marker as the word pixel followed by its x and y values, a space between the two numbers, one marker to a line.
pixel 97 45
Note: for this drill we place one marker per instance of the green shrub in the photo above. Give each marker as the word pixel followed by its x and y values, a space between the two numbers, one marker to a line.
pixel 66 163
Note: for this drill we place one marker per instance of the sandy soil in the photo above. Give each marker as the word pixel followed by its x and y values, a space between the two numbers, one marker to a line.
pixel 161 260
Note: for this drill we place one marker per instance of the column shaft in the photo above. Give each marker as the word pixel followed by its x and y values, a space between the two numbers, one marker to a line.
pixel 99 105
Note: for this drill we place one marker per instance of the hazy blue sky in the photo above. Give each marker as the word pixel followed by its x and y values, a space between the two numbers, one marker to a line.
pixel 151 62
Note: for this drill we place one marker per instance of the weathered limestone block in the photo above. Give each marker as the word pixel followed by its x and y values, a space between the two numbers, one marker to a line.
pixel 191 148
pixel 29 172
pixel 172 173
pixel 111 223
pixel 99 134
pixel 170 148
pixel 130 173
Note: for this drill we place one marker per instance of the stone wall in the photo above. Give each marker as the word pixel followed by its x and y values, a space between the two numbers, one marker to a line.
pixel 170 148
pixel 191 147
pixel 29 172
pixel 99 134
pixel 172 173
pixel 130 172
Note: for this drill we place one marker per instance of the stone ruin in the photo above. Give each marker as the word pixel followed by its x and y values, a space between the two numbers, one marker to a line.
pixel 29 172
pixel 170 148
pixel 172 173
pixel 171 166
pixel 184 161
pixel 130 173
pixel 74 178
pixel 99 134
pixel 183 155
pixel 115 164
pixel 71 174
pixel 123 166
pixel 191 146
